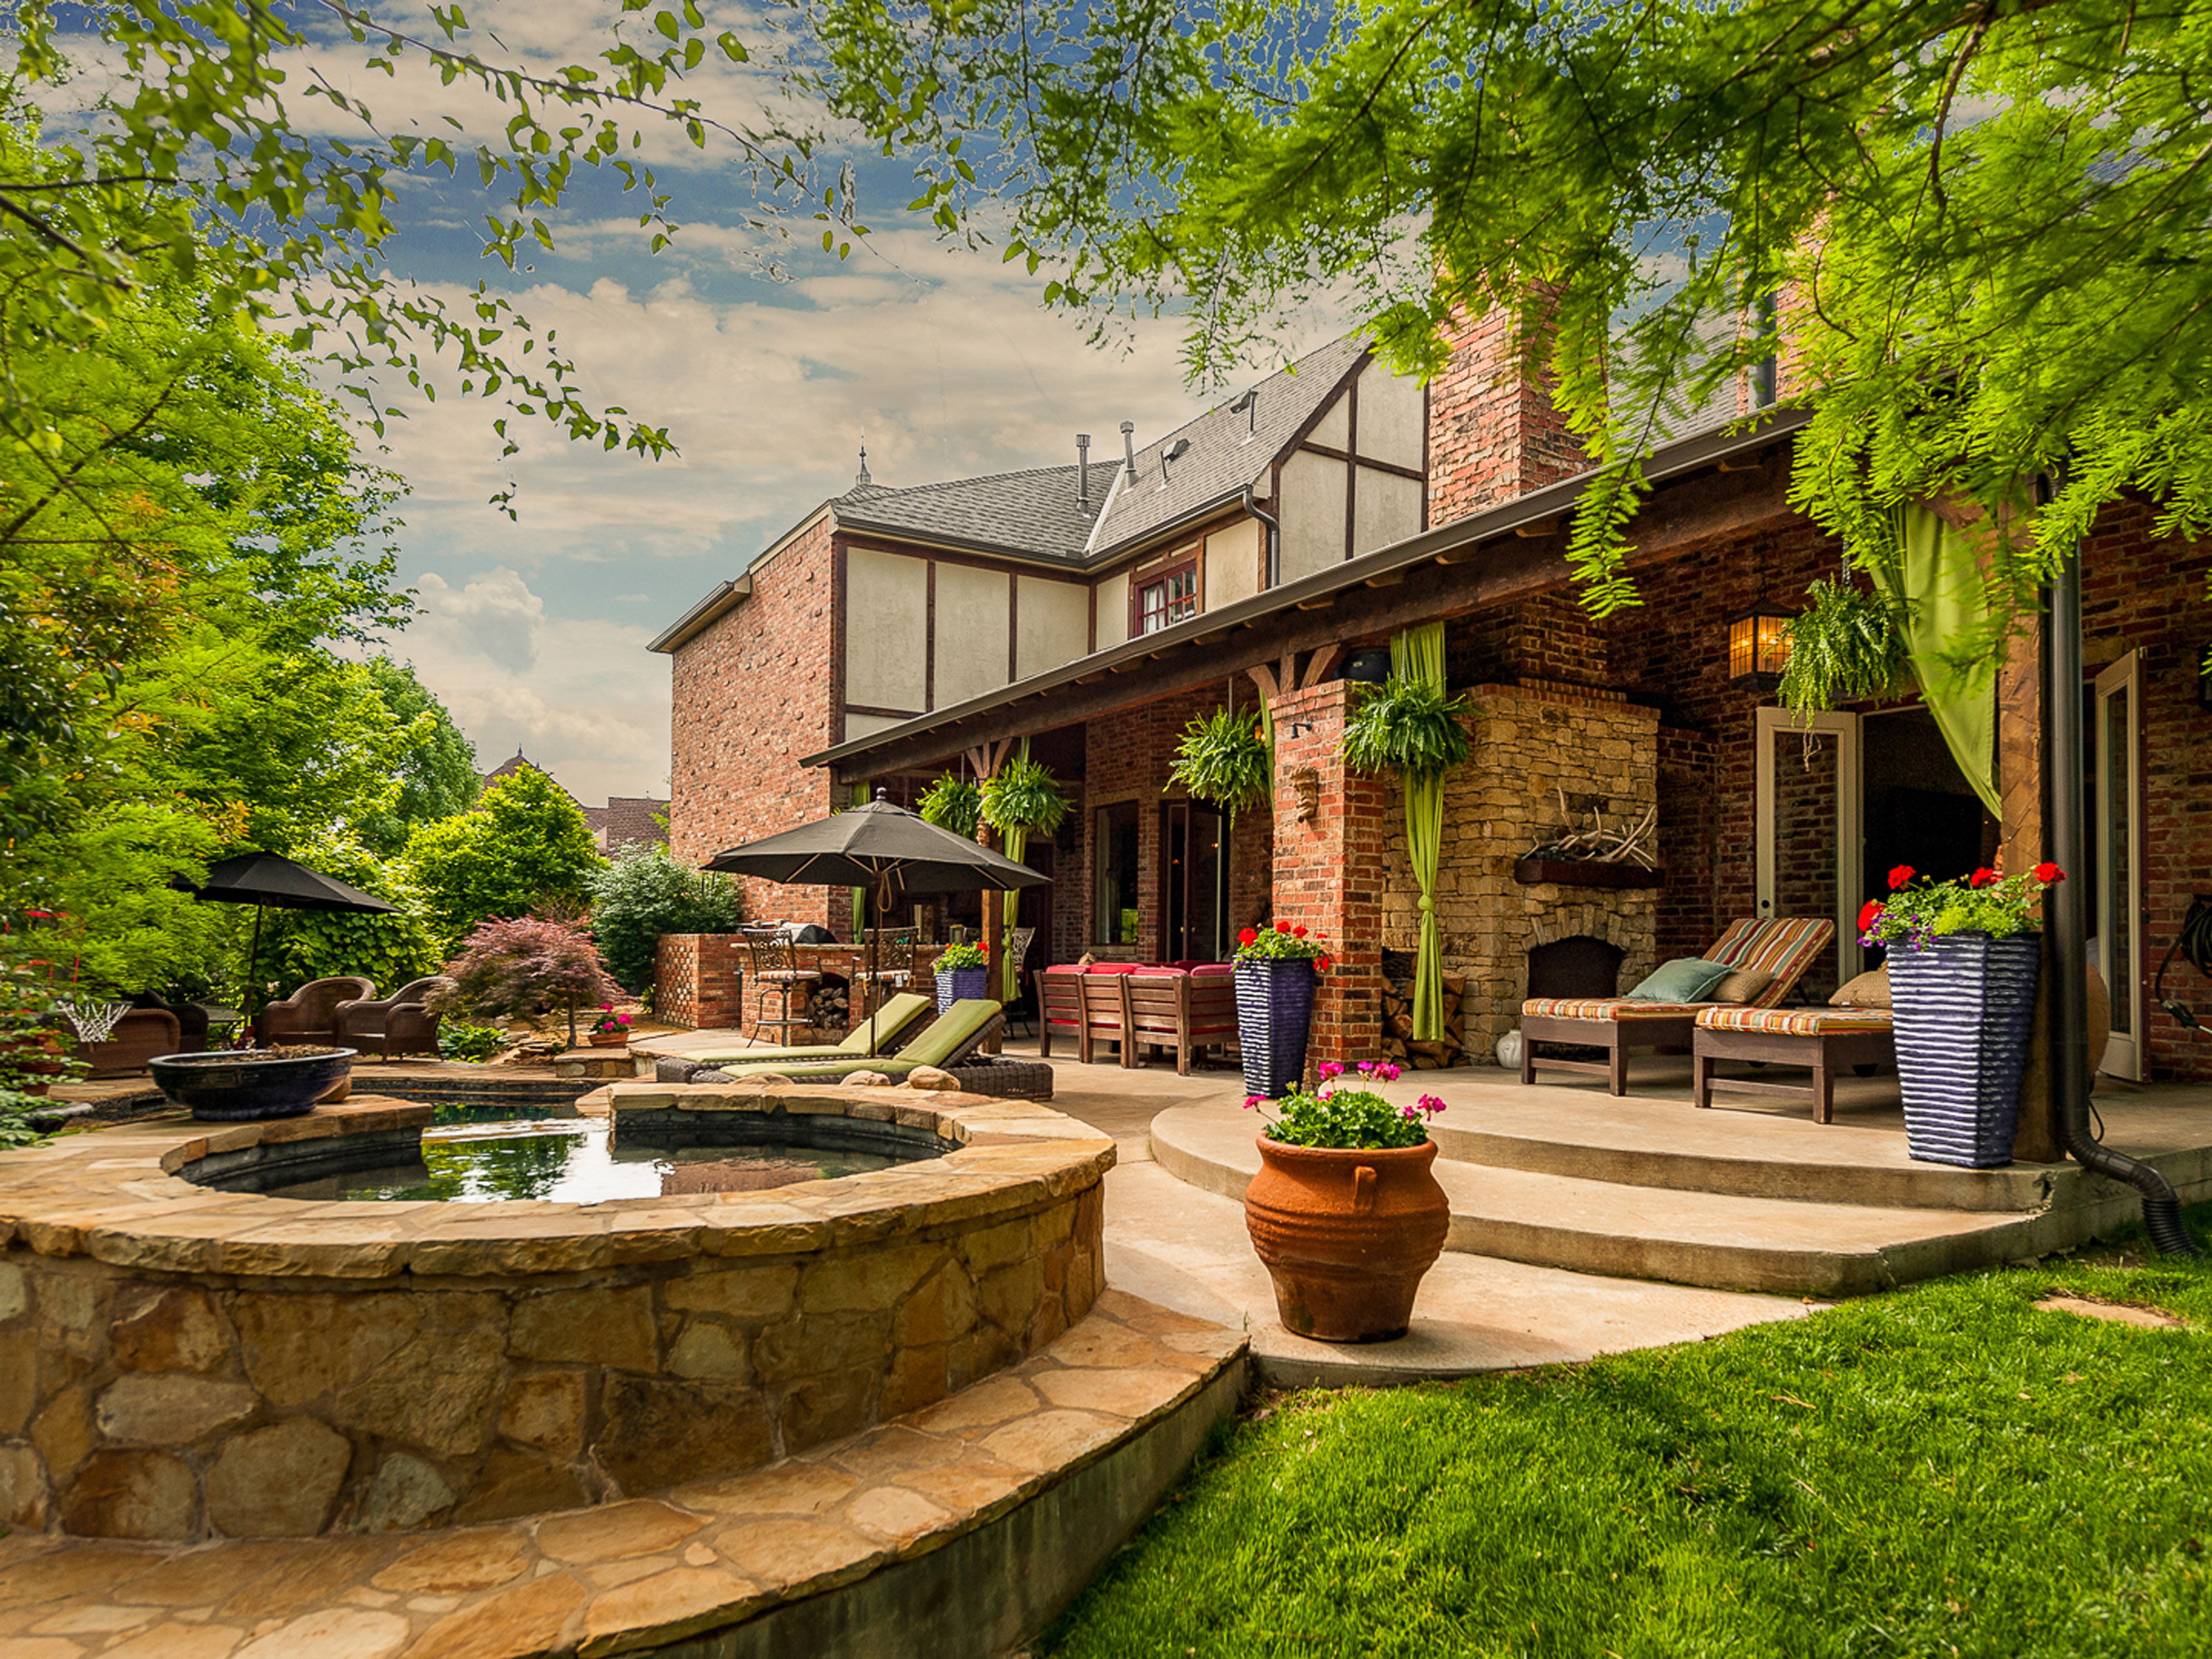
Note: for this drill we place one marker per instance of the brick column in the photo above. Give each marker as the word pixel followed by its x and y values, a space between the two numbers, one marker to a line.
pixel 698 980
pixel 1329 867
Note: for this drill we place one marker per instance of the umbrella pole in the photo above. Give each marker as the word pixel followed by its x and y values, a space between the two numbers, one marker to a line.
pixel 875 985
pixel 252 964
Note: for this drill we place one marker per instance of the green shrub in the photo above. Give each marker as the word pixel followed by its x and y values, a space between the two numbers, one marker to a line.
pixel 644 893
pixel 525 846
pixel 473 1043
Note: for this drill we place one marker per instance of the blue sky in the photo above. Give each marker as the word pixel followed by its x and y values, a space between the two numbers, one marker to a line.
pixel 534 630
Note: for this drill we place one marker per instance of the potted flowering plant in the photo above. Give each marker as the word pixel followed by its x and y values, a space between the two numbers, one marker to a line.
pixel 1344 1212
pixel 1964 956
pixel 1277 969
pixel 963 971
pixel 611 1030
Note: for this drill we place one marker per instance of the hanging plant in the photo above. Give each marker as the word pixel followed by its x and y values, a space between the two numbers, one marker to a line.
pixel 1023 794
pixel 1223 758
pixel 1408 727
pixel 953 804
pixel 1844 646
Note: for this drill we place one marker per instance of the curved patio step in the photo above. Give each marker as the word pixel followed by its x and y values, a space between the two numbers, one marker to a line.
pixel 1721 1240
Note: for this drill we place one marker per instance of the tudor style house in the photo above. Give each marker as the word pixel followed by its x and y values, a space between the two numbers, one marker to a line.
pixel 1265 549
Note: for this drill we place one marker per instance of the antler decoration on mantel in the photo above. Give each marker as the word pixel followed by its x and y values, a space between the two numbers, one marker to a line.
pixel 1599 845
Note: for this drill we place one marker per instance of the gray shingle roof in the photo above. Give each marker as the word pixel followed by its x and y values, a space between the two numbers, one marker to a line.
pixel 1227 450
pixel 1033 512
pixel 1036 513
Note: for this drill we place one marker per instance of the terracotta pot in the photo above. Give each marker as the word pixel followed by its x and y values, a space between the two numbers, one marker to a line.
pixel 609 1039
pixel 1346 1235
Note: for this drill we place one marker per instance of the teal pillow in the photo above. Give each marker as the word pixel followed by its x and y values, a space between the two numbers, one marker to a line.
pixel 1686 979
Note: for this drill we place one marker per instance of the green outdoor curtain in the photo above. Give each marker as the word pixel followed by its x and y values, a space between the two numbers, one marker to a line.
pixel 1418 655
pixel 1014 842
pixel 1944 604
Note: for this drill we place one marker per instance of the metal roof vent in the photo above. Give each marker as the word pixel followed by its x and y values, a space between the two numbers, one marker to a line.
pixel 1182 448
pixel 1249 406
pixel 1129 448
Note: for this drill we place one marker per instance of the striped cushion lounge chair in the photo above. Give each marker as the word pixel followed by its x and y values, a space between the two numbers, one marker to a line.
pixel 951 1038
pixel 882 1032
pixel 1824 1039
pixel 1785 947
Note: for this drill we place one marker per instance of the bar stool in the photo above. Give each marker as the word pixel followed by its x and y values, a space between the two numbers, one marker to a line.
pixel 775 972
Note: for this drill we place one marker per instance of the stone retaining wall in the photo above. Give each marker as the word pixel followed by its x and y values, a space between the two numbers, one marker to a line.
pixel 568 1356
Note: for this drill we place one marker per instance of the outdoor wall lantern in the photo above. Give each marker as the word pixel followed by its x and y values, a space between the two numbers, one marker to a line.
pixel 1759 647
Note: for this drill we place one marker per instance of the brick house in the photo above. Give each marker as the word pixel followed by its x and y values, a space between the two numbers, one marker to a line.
pixel 863 651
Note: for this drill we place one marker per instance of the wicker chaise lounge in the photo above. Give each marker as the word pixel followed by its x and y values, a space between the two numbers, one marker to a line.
pixel 1785 947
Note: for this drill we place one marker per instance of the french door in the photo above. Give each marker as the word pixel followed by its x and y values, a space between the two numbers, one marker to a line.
pixel 1808 832
pixel 1194 878
pixel 2116 818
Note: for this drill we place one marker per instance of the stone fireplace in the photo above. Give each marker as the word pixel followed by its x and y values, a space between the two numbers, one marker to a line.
pixel 1532 742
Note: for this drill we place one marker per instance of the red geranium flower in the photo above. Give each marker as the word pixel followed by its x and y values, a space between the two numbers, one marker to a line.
pixel 1299 930
pixel 1901 875
pixel 2049 872
pixel 1278 927
pixel 1322 963
pixel 1869 914
pixel 1982 878
pixel 1247 935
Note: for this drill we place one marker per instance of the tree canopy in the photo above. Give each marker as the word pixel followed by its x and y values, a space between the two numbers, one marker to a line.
pixel 434 765
pixel 231 134
pixel 523 847
pixel 1975 230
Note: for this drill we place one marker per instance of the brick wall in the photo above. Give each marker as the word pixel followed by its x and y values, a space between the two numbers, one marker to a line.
pixel 1528 744
pixel 1329 871
pixel 753 694
pixel 698 980
pixel 1493 431
pixel 2143 591
pixel 1548 637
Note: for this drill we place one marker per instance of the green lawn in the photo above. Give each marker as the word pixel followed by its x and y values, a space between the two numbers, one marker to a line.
pixel 1944 1470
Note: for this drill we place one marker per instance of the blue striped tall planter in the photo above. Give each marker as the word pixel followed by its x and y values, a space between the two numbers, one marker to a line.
pixel 1274 1015
pixel 1962 1008
pixel 958 984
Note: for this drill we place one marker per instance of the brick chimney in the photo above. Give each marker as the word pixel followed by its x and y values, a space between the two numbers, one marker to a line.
pixel 1493 431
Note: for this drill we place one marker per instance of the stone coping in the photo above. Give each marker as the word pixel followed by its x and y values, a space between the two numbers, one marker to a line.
pixel 117 1197
pixel 634 1575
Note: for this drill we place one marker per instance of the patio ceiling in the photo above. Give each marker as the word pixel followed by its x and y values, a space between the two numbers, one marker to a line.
pixel 1711 483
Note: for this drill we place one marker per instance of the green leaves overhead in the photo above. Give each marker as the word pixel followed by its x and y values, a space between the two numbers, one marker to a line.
pixel 1406 726
pixel 223 145
pixel 1974 234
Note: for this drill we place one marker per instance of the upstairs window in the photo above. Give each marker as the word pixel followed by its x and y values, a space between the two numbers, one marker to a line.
pixel 1167 599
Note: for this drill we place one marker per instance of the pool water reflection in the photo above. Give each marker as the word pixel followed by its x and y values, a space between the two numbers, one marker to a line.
pixel 573 1161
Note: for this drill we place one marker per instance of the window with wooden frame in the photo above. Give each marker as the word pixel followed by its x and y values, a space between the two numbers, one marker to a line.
pixel 1162 600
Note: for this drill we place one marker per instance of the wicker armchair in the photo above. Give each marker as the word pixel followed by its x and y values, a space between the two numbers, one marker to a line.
pixel 142 1034
pixel 401 1023
pixel 310 1013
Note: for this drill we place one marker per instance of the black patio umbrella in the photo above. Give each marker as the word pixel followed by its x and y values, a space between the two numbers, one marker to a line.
pixel 879 847
pixel 266 879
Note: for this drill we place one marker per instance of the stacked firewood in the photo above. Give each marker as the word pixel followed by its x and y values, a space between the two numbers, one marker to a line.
pixel 827 1008
pixel 1423 1054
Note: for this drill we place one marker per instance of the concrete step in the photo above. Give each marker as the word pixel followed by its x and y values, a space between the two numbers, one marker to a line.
pixel 1721 1240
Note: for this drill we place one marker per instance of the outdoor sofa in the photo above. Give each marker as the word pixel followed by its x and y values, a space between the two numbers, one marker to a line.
pixel 1781 949
pixel 142 1034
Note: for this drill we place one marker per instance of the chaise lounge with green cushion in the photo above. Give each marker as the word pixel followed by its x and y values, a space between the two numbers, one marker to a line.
pixel 880 1031
pixel 952 1037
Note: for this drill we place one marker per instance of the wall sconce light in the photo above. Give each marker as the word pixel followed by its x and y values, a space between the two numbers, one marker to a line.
pixel 1297 728
pixel 1759 647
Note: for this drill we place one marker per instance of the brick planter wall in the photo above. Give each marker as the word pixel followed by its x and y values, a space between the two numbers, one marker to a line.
pixel 698 980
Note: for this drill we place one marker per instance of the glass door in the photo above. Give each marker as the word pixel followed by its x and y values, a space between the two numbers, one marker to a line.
pixel 1194 901
pixel 1808 832
pixel 2117 819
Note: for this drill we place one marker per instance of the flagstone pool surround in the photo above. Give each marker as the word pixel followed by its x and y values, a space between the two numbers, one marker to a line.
pixel 178 1362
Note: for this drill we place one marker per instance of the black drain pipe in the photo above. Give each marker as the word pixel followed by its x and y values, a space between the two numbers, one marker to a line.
pixel 2069 994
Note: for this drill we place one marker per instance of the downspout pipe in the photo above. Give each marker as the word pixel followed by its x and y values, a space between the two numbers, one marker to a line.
pixel 1274 533
pixel 2069 994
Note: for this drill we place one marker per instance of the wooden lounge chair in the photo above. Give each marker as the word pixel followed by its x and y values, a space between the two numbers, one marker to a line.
pixel 1825 1039
pixel 951 1038
pixel 881 1031
pixel 1785 947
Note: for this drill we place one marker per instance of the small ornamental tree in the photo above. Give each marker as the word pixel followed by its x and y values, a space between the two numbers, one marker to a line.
pixel 523 847
pixel 643 894
pixel 526 965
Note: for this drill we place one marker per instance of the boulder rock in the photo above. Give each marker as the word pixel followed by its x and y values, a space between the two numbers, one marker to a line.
pixel 867 1080
pixel 932 1078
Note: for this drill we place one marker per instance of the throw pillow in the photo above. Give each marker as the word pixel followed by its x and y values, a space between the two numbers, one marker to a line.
pixel 1686 979
pixel 1741 985
pixel 1868 990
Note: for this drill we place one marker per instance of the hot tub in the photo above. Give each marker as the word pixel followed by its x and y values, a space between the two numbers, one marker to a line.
pixel 180 1361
